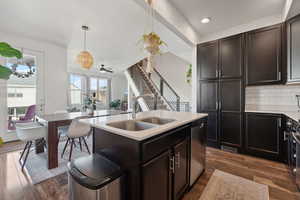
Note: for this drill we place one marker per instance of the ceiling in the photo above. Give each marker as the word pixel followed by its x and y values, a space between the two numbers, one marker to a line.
pixel 226 14
pixel 115 28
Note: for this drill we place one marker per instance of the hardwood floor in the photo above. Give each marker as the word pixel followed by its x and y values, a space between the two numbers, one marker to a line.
pixel 15 185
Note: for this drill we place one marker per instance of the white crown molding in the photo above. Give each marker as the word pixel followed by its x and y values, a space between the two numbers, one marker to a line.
pixel 286 9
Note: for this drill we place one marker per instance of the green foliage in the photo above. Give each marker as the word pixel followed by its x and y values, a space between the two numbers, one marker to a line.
pixel 189 74
pixel 1 141
pixel 115 103
pixel 7 51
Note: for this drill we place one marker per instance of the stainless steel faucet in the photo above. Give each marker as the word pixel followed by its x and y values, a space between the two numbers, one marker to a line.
pixel 135 102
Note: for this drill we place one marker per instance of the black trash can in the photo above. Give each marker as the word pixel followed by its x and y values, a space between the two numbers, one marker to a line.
pixel 95 178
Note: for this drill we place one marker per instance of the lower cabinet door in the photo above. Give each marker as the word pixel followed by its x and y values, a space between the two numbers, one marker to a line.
pixel 157 178
pixel 181 171
pixel 231 129
pixel 212 130
pixel 264 136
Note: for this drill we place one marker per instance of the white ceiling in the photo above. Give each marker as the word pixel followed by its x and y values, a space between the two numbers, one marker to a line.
pixel 226 14
pixel 116 26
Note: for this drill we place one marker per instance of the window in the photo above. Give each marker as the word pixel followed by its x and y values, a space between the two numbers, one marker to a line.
pixel 77 89
pixel 101 88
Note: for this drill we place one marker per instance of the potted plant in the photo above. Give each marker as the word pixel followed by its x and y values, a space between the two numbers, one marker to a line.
pixel 115 104
pixel 152 43
pixel 8 52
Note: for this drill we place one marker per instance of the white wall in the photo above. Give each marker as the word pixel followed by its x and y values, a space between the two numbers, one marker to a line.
pixel 174 69
pixel 119 86
pixel 55 79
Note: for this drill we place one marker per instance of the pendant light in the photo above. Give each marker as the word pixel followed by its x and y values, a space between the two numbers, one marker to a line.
pixel 85 58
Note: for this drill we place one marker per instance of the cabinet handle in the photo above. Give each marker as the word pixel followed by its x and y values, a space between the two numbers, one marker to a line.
pixel 172 165
pixel 285 136
pixel 202 125
pixel 220 73
pixel 178 160
pixel 220 105
pixel 217 72
pixel 217 105
pixel 279 122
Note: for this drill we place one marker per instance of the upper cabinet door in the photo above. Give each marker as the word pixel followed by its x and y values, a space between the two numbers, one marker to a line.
pixel 264 56
pixel 207 60
pixel 293 34
pixel 231 57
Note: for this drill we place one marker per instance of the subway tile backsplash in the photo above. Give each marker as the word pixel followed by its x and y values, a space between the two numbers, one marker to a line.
pixel 277 97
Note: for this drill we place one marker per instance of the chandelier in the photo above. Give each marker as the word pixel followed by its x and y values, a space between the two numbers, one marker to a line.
pixel 85 58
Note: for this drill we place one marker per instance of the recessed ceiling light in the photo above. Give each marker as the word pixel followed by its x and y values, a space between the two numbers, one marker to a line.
pixel 205 20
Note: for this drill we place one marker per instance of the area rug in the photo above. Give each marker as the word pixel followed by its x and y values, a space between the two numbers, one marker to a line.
pixel 11 146
pixel 36 165
pixel 224 186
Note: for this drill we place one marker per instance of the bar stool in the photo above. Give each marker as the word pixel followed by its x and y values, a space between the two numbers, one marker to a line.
pixel 29 132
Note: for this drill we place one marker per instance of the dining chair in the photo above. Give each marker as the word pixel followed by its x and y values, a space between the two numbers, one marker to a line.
pixel 77 130
pixel 29 117
pixel 30 132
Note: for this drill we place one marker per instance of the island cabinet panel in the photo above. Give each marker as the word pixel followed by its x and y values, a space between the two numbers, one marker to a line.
pixel 293 47
pixel 153 147
pixel 207 60
pixel 181 169
pixel 264 136
pixel 264 56
pixel 156 168
pixel 157 178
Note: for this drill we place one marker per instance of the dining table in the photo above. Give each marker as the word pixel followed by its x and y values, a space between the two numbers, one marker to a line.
pixel 54 121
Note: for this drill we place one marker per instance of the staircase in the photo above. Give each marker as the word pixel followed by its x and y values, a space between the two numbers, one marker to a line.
pixel 165 97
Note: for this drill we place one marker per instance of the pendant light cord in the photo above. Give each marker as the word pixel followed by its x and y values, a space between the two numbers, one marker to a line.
pixel 84 45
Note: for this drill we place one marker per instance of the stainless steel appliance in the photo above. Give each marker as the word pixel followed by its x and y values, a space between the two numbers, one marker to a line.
pixel 198 149
pixel 95 178
pixel 292 136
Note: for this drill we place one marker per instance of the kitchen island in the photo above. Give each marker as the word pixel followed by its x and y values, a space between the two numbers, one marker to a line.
pixel 154 150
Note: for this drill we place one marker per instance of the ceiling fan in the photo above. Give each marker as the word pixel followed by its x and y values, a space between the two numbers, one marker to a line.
pixel 103 69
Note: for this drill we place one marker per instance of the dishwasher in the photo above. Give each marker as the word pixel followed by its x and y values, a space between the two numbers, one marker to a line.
pixel 198 149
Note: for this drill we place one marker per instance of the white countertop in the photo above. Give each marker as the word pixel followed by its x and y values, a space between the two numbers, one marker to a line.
pixel 295 115
pixel 181 118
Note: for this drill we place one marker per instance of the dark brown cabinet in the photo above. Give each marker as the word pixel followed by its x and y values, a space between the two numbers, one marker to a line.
pixel 166 173
pixel 264 136
pixel 293 49
pixel 264 56
pixel 208 95
pixel 231 125
pixel 157 178
pixel 223 97
pixel 208 60
pixel 181 172
pixel 231 57
pixel 231 95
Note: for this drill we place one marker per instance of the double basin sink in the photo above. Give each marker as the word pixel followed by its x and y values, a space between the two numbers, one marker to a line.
pixel 140 124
